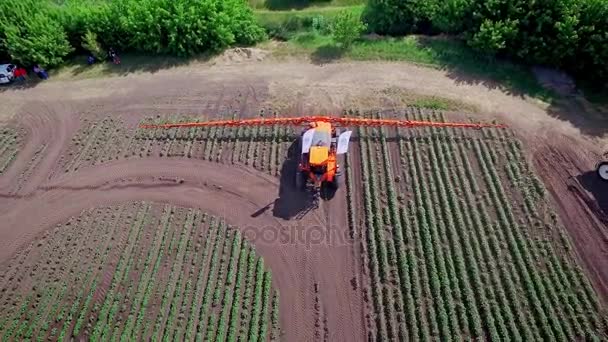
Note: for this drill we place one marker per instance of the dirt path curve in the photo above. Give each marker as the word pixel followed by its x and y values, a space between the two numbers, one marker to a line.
pixel 297 264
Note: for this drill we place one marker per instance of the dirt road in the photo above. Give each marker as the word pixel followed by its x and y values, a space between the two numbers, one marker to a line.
pixel 35 193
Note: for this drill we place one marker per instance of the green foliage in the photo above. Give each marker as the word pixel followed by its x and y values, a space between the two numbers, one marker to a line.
pixel 347 28
pixel 570 34
pixel 395 17
pixel 284 24
pixel 321 24
pixel 451 16
pixel 44 32
pixel 492 36
pixel 592 51
pixel 537 32
pixel 185 27
pixel 30 35
pixel 90 43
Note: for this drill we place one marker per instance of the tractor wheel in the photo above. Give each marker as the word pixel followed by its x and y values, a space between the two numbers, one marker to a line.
pixel 602 170
pixel 299 181
pixel 337 183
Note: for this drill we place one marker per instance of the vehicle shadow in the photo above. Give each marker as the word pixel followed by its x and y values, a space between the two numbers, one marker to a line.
pixel 292 203
pixel 591 182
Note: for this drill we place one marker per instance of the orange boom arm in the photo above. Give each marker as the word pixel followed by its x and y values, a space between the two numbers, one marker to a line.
pixel 333 120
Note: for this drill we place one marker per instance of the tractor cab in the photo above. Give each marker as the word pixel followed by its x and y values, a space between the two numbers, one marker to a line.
pixel 320 147
pixel 318 164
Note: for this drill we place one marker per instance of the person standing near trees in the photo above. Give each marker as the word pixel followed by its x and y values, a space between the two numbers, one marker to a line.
pixel 113 56
pixel 40 72
pixel 20 74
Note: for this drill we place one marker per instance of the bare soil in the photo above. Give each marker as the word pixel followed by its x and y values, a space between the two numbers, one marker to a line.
pixel 319 278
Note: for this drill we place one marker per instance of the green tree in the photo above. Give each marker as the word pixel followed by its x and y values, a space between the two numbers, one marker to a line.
pixel 347 28
pixel 38 40
pixel 91 44
pixel 186 27
pixel 451 16
pixel 492 36
pixel 395 17
pixel 592 55
pixel 535 31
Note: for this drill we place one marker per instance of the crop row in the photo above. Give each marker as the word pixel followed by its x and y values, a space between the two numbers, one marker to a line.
pixel 51 270
pixel 140 271
pixel 263 148
pixel 451 253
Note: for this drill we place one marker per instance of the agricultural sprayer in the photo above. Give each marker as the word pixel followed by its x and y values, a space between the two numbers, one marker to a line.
pixel 321 142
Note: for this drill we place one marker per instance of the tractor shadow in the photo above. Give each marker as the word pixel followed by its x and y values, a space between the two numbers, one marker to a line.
pixel 591 182
pixel 328 193
pixel 292 203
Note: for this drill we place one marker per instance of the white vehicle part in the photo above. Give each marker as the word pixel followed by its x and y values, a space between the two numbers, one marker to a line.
pixel 343 141
pixel 602 171
pixel 307 140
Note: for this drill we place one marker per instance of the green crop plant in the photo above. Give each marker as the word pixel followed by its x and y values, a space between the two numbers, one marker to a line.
pixel 274 319
pixel 227 302
pixel 167 298
pixel 236 302
pixel 219 241
pixel 265 306
pixel 257 302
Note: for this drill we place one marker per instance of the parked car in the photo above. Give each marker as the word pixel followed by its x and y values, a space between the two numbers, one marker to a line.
pixel 6 73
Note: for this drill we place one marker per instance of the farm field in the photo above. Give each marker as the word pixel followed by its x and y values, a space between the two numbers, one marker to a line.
pixel 110 231
pixel 464 243
pixel 139 271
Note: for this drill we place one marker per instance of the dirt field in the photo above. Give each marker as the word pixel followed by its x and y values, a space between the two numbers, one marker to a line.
pixel 81 150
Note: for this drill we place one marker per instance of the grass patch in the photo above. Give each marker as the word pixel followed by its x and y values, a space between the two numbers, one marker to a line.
pixel 297 21
pixel 406 98
pixel 432 103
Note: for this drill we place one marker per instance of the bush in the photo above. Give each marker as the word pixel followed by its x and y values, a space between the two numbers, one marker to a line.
pixel 347 28
pixel 397 17
pixel 492 37
pixel 321 24
pixel 91 44
pixel 37 41
pixel 592 51
pixel 30 35
pixel 39 31
pixel 536 32
pixel 569 34
pixel 186 27
pixel 451 16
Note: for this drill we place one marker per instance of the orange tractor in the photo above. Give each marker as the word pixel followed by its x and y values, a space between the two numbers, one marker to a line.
pixel 321 142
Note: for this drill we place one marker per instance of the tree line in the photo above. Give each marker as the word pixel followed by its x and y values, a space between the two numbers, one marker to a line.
pixel 568 34
pixel 45 32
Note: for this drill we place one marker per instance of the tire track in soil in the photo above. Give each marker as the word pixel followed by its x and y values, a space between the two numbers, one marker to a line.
pixel 209 187
pixel 44 125
pixel 586 223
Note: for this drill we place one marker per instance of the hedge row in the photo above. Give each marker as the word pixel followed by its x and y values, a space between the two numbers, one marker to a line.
pixel 44 32
pixel 568 34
